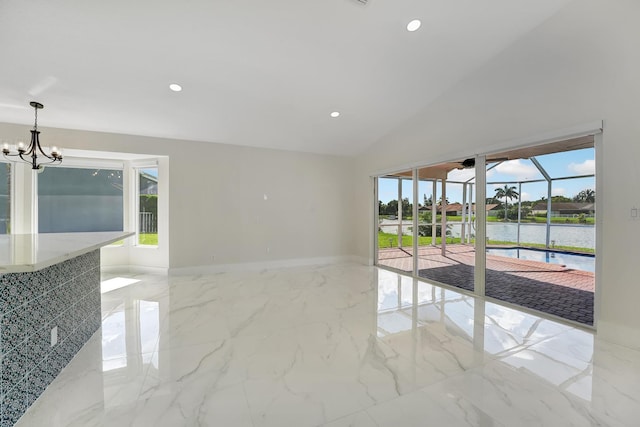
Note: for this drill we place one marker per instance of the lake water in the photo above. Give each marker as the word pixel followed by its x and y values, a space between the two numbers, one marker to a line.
pixel 581 236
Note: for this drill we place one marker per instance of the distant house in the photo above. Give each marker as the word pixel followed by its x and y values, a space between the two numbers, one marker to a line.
pixel 455 209
pixel 564 208
pixel 452 209
pixel 489 207
pixel 148 184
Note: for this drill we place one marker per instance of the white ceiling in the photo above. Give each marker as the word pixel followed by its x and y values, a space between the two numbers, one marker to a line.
pixel 254 72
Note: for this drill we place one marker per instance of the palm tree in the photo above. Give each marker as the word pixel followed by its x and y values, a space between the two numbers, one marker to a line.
pixel 586 196
pixel 508 193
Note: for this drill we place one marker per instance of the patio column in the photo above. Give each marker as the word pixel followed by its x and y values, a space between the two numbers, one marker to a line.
pixel 415 233
pixel 519 209
pixel 434 212
pixel 470 217
pixel 548 178
pixel 463 234
pixel 443 219
pixel 399 212
pixel 548 212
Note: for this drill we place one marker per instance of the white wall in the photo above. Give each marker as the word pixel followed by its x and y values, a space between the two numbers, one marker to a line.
pixel 580 66
pixel 217 206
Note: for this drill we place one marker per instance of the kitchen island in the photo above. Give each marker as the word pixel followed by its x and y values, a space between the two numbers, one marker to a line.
pixel 49 308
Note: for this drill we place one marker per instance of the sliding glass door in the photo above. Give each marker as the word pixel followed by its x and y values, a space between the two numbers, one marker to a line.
pixel 446 233
pixel 541 230
pixel 522 231
pixel 395 221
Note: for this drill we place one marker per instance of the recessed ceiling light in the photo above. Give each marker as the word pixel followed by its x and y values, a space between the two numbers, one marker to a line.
pixel 414 25
pixel 175 87
pixel 335 114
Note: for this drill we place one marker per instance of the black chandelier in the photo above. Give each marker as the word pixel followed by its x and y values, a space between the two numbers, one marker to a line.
pixel 30 153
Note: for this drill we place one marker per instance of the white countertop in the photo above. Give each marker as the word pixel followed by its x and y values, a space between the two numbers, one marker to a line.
pixel 31 252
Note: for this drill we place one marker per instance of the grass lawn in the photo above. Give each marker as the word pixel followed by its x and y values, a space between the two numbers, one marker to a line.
pixel 525 220
pixel 149 239
pixel 538 220
pixel 389 240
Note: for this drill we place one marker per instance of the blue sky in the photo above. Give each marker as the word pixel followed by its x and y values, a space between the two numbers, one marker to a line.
pixel 558 165
pixel 151 171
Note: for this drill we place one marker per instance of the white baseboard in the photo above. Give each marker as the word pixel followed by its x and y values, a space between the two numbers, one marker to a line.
pixel 266 265
pixel 134 269
pixel 361 260
pixel 619 334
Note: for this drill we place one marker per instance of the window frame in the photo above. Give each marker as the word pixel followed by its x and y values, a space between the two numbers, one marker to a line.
pixel 135 168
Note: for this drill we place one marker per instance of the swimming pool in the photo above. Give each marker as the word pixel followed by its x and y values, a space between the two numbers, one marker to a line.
pixel 574 261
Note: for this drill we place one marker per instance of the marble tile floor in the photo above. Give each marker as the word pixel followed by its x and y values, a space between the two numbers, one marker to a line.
pixel 339 345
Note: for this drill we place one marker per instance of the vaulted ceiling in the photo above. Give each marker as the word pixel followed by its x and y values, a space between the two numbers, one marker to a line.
pixel 257 73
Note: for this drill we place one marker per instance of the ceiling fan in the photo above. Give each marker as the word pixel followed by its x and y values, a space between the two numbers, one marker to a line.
pixel 471 162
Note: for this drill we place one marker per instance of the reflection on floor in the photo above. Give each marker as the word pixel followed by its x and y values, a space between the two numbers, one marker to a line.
pixel 549 288
pixel 343 345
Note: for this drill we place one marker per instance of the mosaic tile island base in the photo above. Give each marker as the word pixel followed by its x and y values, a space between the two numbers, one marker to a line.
pixel 47 313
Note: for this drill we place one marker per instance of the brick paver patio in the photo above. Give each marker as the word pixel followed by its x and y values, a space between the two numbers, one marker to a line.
pixel 550 288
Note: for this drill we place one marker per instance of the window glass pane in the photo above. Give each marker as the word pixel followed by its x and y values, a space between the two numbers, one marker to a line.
pixel 77 200
pixel 395 235
pixel 148 206
pixel 446 225
pixel 569 163
pixel 517 170
pixel 541 235
pixel 5 198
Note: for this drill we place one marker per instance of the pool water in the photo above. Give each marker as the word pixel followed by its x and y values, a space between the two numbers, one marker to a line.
pixel 573 261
